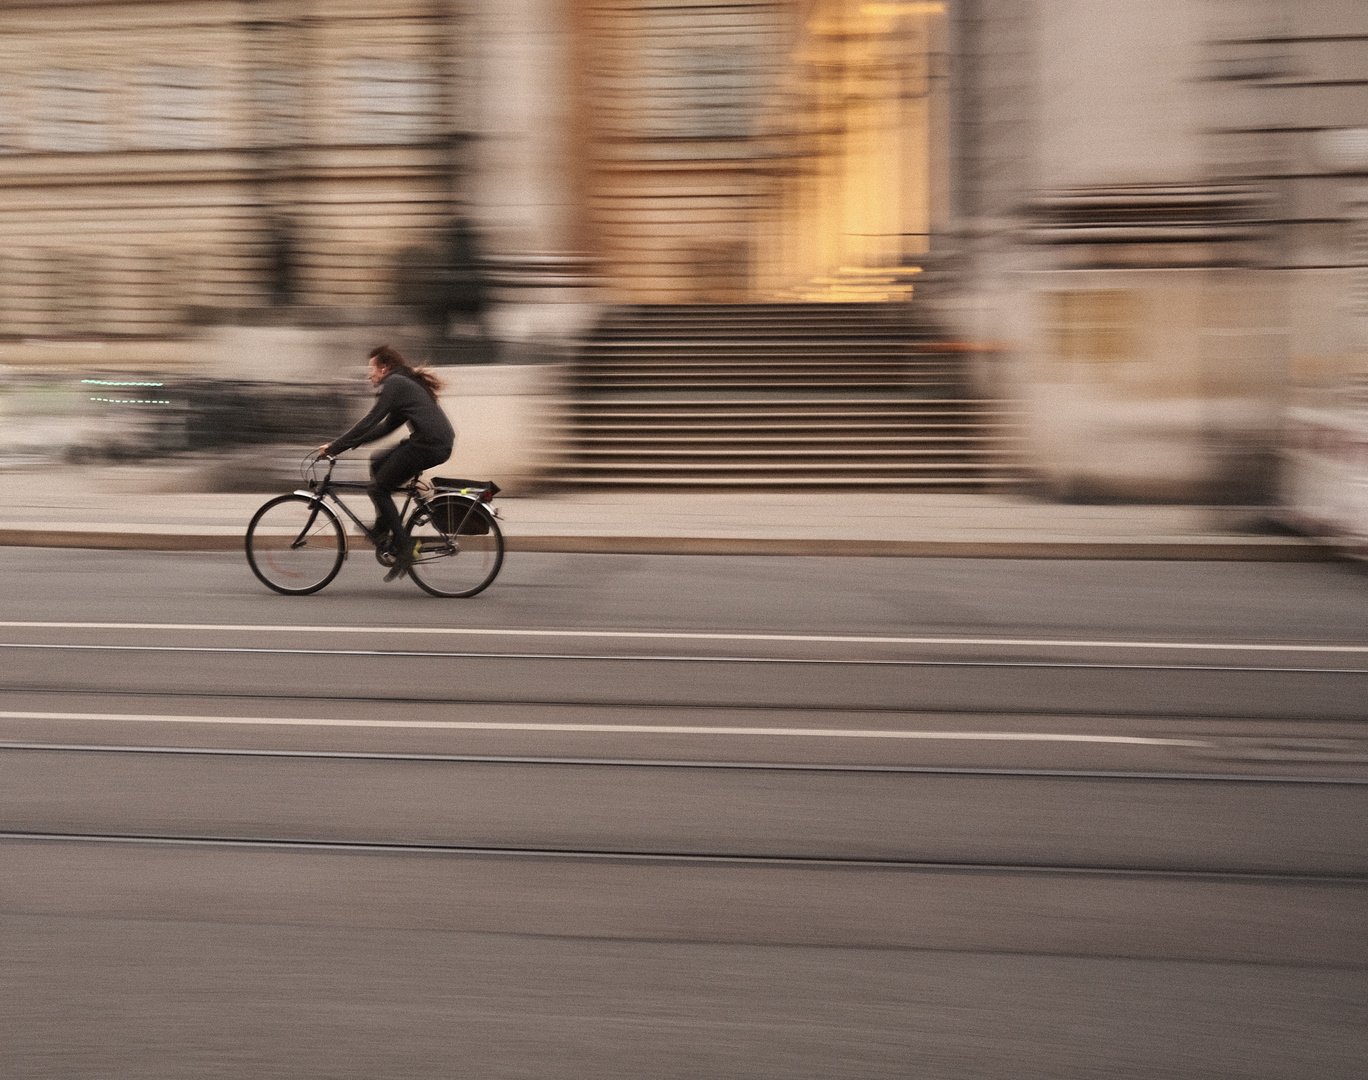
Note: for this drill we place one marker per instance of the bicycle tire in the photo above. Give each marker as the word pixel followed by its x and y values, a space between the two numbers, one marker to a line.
pixel 452 564
pixel 278 558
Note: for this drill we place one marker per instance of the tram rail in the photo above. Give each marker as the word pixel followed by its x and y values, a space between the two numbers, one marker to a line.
pixel 754 860
pixel 660 763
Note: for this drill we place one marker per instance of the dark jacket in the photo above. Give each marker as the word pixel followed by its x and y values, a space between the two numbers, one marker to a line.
pixel 400 400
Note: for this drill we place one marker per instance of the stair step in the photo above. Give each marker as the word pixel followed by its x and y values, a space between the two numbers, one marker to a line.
pixel 770 377
pixel 718 358
pixel 815 335
pixel 806 438
pixel 812 431
pixel 844 483
pixel 742 455
pixel 794 384
pixel 778 373
pixel 891 385
pixel 598 411
pixel 781 315
pixel 910 409
pixel 782 431
pixel 894 346
pixel 821 465
pixel 832 334
pixel 787 449
pixel 751 368
pixel 840 402
pixel 843 368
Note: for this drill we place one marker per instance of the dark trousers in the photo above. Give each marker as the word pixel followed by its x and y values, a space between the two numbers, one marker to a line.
pixel 393 468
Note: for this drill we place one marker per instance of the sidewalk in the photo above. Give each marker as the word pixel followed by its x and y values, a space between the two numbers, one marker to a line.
pixel 131 507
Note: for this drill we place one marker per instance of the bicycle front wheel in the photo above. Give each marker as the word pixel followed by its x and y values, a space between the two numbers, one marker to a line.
pixel 295 545
pixel 458 547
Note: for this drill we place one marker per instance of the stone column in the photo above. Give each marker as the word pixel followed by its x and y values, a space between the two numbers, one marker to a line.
pixel 522 185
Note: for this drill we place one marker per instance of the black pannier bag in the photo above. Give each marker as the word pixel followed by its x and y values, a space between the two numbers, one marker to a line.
pixel 453 514
pixel 454 510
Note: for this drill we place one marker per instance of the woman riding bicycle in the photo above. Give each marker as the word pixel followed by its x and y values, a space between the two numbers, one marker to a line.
pixel 405 395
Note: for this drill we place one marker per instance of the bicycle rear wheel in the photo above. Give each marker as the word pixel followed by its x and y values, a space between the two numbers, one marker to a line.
pixel 295 546
pixel 459 547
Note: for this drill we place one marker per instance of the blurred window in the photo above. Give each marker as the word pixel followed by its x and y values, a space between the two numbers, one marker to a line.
pixel 706 93
pixel 1092 325
pixel 71 110
pixel 177 108
pixel 73 286
pixel 11 134
pixel 1358 279
pixel 1343 149
pixel 389 101
pixel 704 71
pixel 277 93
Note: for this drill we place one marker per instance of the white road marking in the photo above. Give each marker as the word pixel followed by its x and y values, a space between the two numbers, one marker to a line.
pixel 614 729
pixel 666 658
pixel 665 635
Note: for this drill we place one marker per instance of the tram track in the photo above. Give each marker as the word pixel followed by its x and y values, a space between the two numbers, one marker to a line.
pixel 646 658
pixel 1056 676
pixel 696 855
pixel 402 697
pixel 1196 821
pixel 714 765
pixel 1334 695
pixel 684 858
pixel 942 812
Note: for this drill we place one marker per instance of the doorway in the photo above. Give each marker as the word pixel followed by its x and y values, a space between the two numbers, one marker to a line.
pixel 763 150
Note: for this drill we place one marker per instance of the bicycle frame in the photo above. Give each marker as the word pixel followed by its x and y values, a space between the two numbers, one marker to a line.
pixel 325 490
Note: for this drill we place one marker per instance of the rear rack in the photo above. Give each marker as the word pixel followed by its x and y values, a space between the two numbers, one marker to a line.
pixel 482 489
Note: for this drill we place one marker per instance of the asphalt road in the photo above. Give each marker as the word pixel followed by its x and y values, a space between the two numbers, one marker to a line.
pixel 684 817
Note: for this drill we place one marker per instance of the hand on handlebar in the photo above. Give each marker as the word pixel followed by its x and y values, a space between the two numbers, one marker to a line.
pixel 323 452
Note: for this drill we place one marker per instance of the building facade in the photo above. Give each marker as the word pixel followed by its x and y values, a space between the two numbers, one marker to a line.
pixel 164 165
pixel 1151 210
pixel 1158 209
pixel 167 164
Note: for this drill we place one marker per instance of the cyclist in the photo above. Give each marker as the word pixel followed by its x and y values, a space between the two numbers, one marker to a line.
pixel 405 395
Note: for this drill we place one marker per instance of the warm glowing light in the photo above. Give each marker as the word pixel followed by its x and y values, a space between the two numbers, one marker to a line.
pixel 879 271
pixel 894 10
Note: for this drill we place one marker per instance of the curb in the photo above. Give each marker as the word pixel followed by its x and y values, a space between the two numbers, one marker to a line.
pixel 1216 549
pixel 120 541
pixel 1222 549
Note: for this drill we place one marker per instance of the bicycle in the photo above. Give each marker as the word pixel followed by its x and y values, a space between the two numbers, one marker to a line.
pixel 296 544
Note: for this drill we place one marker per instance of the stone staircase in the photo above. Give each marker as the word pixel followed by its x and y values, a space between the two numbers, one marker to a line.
pixel 775 396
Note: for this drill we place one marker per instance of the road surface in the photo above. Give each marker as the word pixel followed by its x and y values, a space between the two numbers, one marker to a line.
pixel 684 817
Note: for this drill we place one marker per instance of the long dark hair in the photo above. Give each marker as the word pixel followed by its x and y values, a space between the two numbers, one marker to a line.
pixel 389 358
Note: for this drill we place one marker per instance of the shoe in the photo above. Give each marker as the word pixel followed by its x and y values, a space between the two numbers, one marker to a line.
pixel 403 559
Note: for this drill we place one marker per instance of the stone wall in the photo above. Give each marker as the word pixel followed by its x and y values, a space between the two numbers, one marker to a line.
pixel 1154 226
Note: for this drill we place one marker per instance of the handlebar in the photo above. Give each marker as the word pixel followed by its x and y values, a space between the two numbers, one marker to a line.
pixel 311 463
